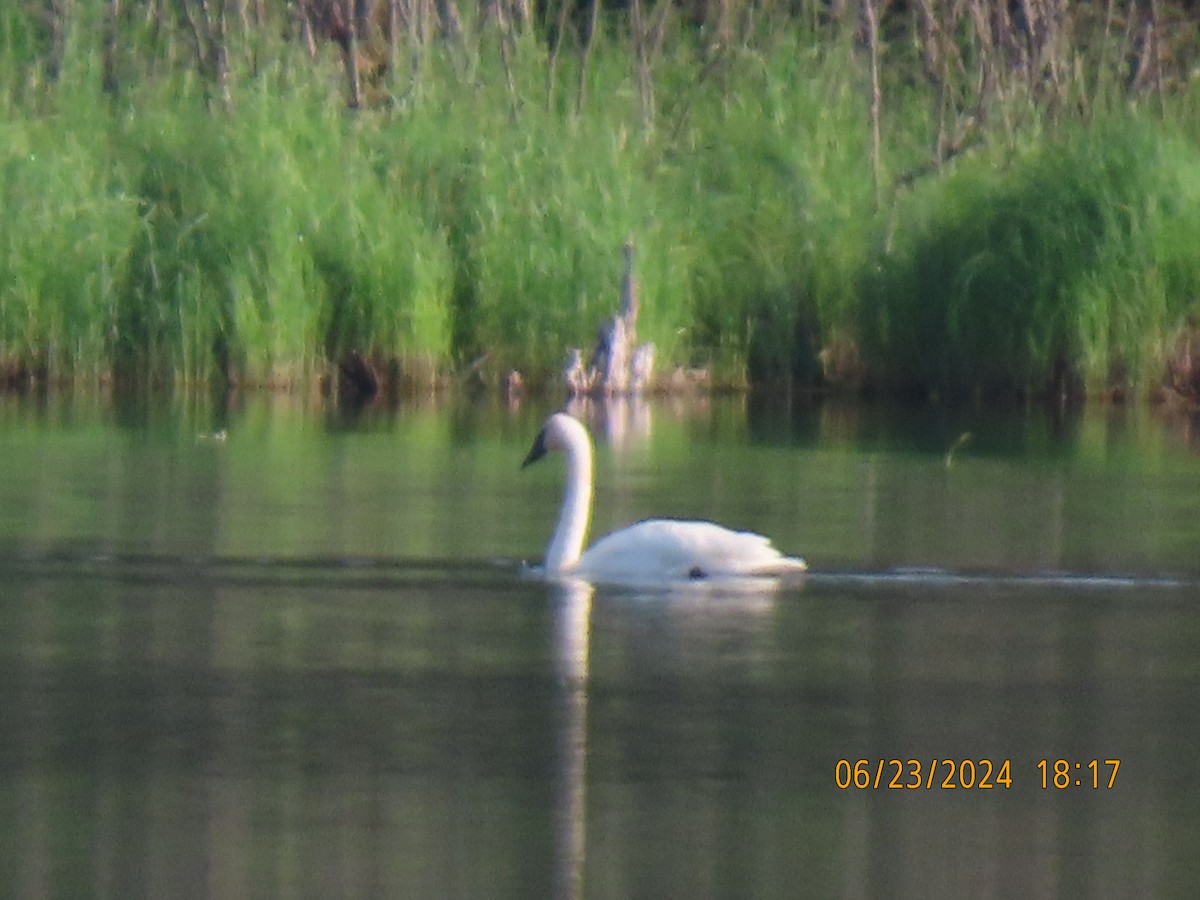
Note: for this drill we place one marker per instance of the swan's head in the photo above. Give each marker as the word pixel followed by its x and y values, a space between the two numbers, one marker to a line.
pixel 560 432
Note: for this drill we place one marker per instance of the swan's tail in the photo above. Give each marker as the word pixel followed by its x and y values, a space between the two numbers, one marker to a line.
pixel 783 566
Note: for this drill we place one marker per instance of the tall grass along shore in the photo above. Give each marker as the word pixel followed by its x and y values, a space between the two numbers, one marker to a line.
pixel 953 199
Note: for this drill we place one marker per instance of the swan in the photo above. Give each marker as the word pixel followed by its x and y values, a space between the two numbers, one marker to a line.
pixel 654 550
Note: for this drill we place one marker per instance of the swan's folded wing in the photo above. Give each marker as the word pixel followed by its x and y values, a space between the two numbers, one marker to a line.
pixel 668 549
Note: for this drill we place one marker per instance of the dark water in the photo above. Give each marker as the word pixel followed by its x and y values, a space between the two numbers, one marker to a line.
pixel 303 660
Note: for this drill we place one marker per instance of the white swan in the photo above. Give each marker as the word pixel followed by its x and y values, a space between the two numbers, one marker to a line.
pixel 651 551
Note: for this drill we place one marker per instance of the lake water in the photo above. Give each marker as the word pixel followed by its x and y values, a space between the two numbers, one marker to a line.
pixel 269 651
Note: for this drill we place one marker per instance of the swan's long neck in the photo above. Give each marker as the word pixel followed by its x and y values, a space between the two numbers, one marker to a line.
pixel 567 543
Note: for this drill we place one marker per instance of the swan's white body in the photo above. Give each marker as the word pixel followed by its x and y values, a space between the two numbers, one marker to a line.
pixel 651 551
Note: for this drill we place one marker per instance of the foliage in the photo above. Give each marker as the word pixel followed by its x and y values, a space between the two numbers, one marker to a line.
pixel 1068 264
pixel 189 197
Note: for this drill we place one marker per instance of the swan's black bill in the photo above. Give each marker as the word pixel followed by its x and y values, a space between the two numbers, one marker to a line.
pixel 537 451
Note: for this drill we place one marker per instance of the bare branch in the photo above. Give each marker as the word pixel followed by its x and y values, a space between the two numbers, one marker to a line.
pixel 876 99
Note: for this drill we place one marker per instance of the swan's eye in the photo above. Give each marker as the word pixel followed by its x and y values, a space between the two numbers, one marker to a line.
pixel 697 572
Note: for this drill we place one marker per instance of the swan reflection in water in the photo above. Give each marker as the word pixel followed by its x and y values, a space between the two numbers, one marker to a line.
pixel 572 631
pixel 666 626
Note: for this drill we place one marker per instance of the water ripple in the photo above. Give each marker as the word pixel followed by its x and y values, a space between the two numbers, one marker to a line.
pixel 69 563
pixel 938 578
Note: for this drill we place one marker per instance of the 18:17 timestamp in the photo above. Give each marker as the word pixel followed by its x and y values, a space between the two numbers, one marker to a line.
pixel 1066 773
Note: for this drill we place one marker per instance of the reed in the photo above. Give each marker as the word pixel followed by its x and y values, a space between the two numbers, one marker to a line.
pixel 775 171
pixel 65 231
pixel 172 214
pixel 1061 269
pixel 271 242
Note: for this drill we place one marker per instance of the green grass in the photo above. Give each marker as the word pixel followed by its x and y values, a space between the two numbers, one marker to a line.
pixel 65 233
pixel 164 235
pixel 1067 265
pixel 777 173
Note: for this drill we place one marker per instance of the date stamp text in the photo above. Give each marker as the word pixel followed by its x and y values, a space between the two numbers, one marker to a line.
pixel 973 774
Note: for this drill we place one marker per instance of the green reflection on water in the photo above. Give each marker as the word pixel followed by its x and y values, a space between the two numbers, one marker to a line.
pixel 841 485
pixel 300 660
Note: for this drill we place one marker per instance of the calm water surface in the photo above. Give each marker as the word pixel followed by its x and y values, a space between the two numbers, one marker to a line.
pixel 301 658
